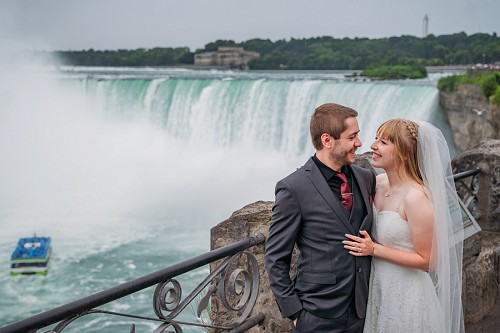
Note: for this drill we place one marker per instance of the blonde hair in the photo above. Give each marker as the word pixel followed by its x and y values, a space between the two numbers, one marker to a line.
pixel 404 135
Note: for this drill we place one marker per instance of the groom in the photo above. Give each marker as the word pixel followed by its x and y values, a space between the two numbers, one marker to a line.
pixel 314 208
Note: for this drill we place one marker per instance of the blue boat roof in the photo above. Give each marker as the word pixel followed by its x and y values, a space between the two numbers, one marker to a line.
pixel 32 248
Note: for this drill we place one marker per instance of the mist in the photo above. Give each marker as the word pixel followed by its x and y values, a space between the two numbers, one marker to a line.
pixel 69 166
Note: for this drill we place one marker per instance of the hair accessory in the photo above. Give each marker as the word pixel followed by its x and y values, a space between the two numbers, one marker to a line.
pixel 412 128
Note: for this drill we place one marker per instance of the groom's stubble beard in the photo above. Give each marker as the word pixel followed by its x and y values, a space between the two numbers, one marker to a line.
pixel 340 155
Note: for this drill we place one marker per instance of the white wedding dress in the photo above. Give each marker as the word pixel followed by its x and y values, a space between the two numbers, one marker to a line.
pixel 401 299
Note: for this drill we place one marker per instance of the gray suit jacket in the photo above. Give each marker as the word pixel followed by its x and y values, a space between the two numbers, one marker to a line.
pixel 306 213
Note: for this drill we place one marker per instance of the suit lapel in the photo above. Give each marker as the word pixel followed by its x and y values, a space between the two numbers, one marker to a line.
pixel 319 182
pixel 363 189
pixel 361 184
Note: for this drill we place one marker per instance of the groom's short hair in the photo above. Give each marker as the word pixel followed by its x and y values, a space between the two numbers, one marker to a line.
pixel 329 118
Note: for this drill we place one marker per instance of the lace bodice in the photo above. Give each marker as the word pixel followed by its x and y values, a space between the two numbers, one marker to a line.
pixel 391 230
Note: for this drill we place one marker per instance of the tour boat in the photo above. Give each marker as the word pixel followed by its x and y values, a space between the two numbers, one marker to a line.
pixel 31 256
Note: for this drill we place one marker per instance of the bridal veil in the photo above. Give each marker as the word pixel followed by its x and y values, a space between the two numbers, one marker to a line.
pixel 447 245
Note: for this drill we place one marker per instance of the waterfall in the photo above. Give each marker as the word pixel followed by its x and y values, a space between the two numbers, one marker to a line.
pixel 263 113
pixel 137 142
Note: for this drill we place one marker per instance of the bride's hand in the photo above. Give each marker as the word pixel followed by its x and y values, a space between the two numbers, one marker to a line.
pixel 360 246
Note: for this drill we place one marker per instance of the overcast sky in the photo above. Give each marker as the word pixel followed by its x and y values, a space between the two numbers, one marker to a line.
pixel 130 24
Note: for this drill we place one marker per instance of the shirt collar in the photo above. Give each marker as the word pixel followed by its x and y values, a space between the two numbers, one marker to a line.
pixel 328 172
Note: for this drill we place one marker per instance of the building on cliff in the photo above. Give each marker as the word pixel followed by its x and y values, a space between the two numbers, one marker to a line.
pixel 229 57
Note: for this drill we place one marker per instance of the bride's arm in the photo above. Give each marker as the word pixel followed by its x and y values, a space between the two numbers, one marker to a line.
pixel 420 216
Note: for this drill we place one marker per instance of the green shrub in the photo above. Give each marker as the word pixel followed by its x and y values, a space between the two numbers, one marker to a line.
pixel 449 83
pixel 495 98
pixel 488 81
pixel 488 85
pixel 398 72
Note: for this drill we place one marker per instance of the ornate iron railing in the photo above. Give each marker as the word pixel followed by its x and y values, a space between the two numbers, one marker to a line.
pixel 237 275
pixel 468 190
pixel 467 187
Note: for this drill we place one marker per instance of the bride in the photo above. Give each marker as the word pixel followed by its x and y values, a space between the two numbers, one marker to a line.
pixel 416 275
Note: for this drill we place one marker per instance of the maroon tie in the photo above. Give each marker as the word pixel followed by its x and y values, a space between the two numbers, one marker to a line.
pixel 345 192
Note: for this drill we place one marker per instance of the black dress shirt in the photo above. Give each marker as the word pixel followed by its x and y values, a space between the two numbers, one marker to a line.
pixel 333 181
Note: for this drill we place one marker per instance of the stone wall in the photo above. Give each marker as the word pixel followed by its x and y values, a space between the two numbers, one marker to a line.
pixel 481 280
pixel 485 156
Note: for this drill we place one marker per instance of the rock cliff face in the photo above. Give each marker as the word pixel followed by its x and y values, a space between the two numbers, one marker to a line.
pixel 486 157
pixel 245 222
pixel 472 117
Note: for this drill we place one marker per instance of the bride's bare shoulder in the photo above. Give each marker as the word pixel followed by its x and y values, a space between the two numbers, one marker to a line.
pixel 417 195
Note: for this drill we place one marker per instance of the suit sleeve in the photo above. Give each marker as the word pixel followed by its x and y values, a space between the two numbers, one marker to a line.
pixel 283 230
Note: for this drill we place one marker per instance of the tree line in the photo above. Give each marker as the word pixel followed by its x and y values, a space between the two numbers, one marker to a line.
pixel 320 53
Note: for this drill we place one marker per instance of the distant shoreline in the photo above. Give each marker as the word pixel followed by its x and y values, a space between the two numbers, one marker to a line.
pixel 448 68
pixel 183 66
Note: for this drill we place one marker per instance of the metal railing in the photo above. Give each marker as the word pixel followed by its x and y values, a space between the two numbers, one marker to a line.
pixel 241 283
